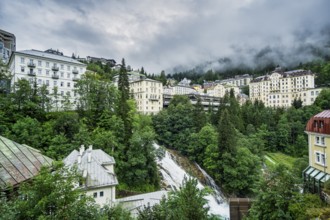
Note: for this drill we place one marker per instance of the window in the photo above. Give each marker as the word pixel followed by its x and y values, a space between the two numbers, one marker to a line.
pixel 319 140
pixel 62 74
pixel 39 81
pixel 62 93
pixel 39 71
pixel 68 84
pixel 62 67
pixel 55 83
pixel 320 158
pixel 47 64
pixel 101 194
pixel 68 68
pixel 312 92
pixel 68 75
pixel 95 195
pixel 68 94
pixel 47 72
pixel 22 60
pixel 22 69
pixel 39 62
pixel 47 82
pixel 62 84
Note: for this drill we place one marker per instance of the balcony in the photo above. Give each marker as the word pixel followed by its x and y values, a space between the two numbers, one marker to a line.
pixel 31 65
pixel 31 73
pixel 75 71
pixel 75 79
pixel 153 99
pixel 55 76
pixel 55 68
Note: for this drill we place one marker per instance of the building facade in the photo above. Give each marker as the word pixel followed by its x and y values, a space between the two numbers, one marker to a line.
pixel 280 89
pixel 58 72
pixel 148 95
pixel 220 90
pixel 318 171
pixel 7 45
pixel 97 169
pixel 239 80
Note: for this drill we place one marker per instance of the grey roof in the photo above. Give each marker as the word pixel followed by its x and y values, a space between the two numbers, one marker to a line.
pixel 19 162
pixel 139 202
pixel 97 174
pixel 50 56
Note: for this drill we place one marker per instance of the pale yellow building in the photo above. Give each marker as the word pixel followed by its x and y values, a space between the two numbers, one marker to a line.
pixel 220 90
pixel 148 95
pixel 280 89
pixel 318 171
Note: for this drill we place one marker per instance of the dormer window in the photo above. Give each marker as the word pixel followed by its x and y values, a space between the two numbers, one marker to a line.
pixel 315 124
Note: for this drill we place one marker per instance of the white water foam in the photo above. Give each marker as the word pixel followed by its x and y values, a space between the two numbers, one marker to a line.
pixel 173 176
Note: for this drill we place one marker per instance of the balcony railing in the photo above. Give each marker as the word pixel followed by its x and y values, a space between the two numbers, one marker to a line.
pixel 55 68
pixel 31 73
pixel 31 65
pixel 153 99
pixel 55 76
pixel 75 79
pixel 75 71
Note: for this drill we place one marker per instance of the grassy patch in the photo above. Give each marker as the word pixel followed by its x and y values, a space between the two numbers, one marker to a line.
pixel 272 159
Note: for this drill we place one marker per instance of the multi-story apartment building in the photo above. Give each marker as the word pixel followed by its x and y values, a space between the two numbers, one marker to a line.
pixel 7 45
pixel 318 171
pixel 239 80
pixel 51 68
pixel 280 89
pixel 220 90
pixel 148 95
pixel 179 90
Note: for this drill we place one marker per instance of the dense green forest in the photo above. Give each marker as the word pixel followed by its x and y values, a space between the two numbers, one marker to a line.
pixel 229 143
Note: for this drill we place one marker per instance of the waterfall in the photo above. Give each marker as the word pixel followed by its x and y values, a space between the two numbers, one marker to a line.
pixel 211 183
pixel 173 175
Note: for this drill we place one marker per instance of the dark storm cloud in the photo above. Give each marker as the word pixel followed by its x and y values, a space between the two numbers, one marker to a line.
pixel 165 34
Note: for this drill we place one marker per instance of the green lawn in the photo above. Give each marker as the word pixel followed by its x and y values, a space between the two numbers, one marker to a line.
pixel 272 159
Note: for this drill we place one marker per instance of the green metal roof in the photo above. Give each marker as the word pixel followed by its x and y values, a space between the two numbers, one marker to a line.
pixel 19 162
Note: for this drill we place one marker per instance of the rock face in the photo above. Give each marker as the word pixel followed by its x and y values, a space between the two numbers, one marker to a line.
pixel 173 175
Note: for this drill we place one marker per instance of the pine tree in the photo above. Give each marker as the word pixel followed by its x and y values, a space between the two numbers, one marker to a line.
pixel 123 107
pixel 227 134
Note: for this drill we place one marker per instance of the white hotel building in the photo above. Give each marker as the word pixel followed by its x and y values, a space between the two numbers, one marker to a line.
pixel 50 68
pixel 280 89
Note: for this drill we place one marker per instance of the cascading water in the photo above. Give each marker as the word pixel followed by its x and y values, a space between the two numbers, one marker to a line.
pixel 211 183
pixel 173 176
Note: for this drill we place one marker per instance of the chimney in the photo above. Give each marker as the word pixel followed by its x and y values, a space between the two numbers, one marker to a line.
pixel 89 153
pixel 81 152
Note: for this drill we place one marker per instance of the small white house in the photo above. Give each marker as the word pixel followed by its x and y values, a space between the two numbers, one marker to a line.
pixel 97 169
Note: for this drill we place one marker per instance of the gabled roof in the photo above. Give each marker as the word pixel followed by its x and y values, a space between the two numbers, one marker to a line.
pixel 94 171
pixel 19 162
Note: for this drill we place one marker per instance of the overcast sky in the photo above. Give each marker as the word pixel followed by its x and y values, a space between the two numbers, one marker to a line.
pixel 161 34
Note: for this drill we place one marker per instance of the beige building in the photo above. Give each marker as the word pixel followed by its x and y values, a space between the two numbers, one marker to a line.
pixel 148 95
pixel 280 89
pixel 50 68
pixel 239 80
pixel 220 90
